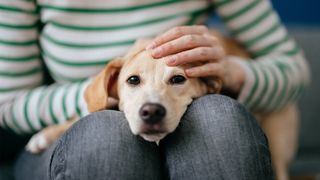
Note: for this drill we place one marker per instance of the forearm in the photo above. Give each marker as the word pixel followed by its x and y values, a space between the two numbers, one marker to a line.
pixel 272 81
pixel 278 71
pixel 34 109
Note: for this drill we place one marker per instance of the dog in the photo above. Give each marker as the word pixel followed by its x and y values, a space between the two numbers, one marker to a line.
pixel 154 97
pixel 159 95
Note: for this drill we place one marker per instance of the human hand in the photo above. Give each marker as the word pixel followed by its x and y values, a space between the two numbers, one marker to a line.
pixel 194 44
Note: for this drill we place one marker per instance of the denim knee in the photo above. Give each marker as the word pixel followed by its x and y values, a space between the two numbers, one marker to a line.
pixel 101 145
pixel 217 139
pixel 218 112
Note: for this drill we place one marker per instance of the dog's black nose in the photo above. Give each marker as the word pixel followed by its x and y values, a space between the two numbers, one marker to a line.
pixel 152 113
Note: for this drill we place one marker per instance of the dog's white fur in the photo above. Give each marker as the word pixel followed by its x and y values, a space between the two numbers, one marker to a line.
pixel 280 127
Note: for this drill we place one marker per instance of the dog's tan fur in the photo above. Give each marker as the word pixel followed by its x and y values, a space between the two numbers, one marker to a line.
pixel 280 127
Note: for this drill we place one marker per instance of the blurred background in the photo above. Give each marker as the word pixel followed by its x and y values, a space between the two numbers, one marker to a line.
pixel 302 19
pixel 298 12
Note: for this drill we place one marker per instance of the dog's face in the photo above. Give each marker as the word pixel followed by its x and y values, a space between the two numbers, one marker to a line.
pixel 152 95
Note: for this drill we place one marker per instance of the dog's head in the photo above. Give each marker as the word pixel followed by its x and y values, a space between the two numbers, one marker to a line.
pixel 152 95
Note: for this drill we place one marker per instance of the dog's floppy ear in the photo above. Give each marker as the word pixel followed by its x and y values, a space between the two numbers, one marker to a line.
pixel 103 87
pixel 213 84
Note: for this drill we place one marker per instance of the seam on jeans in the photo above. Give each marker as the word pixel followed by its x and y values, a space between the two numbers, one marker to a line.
pixel 264 145
pixel 255 141
pixel 51 159
pixel 61 161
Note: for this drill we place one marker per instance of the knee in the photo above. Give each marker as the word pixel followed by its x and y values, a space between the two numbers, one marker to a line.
pixel 216 109
pixel 100 145
pixel 217 131
pixel 217 105
pixel 79 144
pixel 214 115
pixel 94 131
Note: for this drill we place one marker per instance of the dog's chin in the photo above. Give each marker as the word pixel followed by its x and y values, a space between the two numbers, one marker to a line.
pixel 153 137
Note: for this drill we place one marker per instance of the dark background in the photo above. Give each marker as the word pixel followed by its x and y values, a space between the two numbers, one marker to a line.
pixel 298 12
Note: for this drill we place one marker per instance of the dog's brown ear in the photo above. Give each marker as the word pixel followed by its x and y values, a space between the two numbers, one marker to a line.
pixel 214 85
pixel 103 87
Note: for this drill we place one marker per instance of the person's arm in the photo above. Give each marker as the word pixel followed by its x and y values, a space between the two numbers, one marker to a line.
pixel 275 76
pixel 25 105
pixel 278 72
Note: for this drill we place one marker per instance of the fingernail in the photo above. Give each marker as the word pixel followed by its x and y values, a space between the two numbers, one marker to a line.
pixel 151 46
pixel 171 61
pixel 156 52
pixel 189 71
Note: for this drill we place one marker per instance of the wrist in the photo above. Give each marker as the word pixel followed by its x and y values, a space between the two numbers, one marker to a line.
pixel 235 77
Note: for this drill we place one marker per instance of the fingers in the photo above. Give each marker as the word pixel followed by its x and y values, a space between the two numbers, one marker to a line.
pixel 183 43
pixel 209 69
pixel 176 33
pixel 190 44
pixel 213 54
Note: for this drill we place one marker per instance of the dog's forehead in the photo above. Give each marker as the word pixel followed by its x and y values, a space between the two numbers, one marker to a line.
pixel 143 62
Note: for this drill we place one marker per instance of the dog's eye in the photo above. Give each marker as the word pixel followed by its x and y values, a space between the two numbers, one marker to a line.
pixel 178 79
pixel 134 80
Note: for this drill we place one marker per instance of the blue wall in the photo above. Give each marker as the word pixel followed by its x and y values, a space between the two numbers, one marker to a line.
pixel 293 12
pixel 298 11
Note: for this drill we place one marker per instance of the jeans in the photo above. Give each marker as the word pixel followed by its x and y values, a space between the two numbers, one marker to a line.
pixel 216 139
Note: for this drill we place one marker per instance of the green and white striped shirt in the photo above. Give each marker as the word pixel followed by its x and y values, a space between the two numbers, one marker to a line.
pixel 74 39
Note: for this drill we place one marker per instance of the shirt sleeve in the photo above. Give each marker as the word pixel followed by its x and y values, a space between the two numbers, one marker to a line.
pixel 278 72
pixel 26 105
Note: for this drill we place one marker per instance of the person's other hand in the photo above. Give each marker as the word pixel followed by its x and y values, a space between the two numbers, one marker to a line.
pixel 194 44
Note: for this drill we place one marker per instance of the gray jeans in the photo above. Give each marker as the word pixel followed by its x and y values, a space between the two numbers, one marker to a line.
pixel 216 139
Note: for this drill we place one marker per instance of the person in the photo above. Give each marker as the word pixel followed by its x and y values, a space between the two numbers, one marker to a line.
pixel 70 41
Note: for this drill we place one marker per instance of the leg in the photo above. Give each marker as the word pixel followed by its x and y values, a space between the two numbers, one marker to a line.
pixel 33 166
pixel 10 145
pixel 99 146
pixel 281 129
pixel 217 139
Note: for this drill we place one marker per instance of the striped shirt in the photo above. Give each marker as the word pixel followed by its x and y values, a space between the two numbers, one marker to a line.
pixel 74 39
